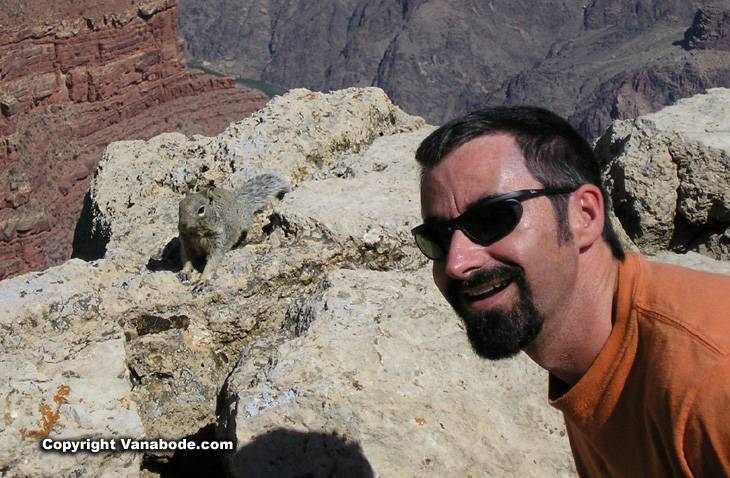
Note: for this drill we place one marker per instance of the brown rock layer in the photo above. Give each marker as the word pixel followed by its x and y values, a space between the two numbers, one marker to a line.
pixel 76 77
pixel 710 29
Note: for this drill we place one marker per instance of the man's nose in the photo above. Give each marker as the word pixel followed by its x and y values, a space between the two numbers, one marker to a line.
pixel 464 257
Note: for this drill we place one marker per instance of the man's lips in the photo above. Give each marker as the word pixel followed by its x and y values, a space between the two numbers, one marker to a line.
pixel 484 288
pixel 483 291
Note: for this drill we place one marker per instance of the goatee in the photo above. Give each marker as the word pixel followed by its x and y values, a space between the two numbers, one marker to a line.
pixel 497 333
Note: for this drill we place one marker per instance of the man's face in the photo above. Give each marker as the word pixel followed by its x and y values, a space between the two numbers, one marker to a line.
pixel 508 291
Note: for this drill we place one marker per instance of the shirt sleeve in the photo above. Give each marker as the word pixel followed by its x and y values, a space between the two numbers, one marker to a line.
pixel 707 434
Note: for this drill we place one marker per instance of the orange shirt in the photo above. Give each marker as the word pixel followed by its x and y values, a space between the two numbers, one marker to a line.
pixel 656 401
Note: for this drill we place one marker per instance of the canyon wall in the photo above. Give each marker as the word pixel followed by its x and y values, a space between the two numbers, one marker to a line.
pixel 592 62
pixel 75 76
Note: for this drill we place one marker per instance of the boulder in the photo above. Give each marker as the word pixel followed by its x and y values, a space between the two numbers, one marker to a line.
pixel 380 381
pixel 668 174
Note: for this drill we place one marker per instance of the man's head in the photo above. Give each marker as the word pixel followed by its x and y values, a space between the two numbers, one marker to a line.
pixel 505 195
pixel 555 153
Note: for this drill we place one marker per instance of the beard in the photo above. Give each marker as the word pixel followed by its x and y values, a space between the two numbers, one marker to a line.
pixel 497 333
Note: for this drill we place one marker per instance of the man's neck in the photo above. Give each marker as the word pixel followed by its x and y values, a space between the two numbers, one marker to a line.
pixel 573 338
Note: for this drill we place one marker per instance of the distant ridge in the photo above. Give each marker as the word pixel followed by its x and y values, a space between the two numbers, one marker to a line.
pixel 592 63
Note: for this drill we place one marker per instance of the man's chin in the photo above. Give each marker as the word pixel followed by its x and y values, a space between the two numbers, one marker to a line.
pixel 492 350
pixel 500 324
pixel 497 335
pixel 491 353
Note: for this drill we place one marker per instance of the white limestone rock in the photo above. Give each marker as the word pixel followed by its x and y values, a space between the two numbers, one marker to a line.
pixel 63 375
pixel 668 173
pixel 382 382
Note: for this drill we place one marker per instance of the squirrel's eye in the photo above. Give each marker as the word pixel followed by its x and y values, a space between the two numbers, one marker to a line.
pixel 201 211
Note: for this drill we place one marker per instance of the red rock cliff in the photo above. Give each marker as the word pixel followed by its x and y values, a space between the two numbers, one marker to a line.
pixel 75 76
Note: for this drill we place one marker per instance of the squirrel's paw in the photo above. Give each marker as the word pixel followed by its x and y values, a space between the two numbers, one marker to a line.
pixel 201 286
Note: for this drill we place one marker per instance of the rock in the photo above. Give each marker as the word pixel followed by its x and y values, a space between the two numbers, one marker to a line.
pixel 380 187
pixel 179 345
pixel 668 173
pixel 643 183
pixel 63 375
pixel 383 369
pixel 694 261
pixel 120 347
pixel 710 29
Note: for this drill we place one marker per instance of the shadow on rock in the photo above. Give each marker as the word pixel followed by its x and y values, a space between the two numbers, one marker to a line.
pixel 168 259
pixel 186 463
pixel 291 454
pixel 90 239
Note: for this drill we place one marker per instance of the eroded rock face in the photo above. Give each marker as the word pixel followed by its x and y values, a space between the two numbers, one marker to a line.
pixel 76 76
pixel 381 381
pixel 592 62
pixel 710 29
pixel 669 173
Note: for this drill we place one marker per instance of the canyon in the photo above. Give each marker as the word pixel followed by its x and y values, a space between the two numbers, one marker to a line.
pixel 592 62
pixel 74 77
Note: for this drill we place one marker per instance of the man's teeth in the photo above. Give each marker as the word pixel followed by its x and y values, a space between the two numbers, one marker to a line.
pixel 486 289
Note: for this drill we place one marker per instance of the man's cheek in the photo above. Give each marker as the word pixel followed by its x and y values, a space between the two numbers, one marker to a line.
pixel 440 278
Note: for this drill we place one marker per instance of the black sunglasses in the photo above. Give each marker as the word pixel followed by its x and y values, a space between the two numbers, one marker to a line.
pixel 484 223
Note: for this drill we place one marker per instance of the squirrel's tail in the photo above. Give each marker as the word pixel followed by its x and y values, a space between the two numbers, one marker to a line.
pixel 259 189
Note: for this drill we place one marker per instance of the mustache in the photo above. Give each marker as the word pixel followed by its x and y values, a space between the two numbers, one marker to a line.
pixel 498 273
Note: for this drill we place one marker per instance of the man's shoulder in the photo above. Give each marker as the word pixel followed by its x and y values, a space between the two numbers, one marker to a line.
pixel 691 302
pixel 679 284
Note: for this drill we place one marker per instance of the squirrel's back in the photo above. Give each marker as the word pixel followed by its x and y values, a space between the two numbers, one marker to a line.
pixel 256 191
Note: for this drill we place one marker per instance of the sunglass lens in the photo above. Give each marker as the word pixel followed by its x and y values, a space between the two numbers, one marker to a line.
pixel 482 225
pixel 432 243
pixel 493 222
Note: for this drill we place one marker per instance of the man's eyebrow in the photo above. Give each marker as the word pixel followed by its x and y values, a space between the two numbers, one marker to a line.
pixel 435 219
pixel 485 198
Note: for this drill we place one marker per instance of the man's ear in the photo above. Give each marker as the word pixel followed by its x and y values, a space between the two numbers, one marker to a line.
pixel 587 215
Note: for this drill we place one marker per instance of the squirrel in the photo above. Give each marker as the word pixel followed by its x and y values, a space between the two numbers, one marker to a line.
pixel 213 222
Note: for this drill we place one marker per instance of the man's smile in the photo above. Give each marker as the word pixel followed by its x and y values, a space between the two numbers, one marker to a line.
pixel 484 288
pixel 487 290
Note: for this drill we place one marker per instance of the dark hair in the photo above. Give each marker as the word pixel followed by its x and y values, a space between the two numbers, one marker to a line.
pixel 555 153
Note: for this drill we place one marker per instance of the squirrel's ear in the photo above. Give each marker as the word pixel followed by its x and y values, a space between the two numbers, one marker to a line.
pixel 209 193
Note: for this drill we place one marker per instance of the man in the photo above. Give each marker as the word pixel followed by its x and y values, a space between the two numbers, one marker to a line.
pixel 638 353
